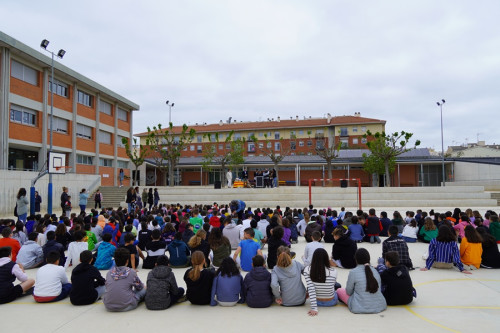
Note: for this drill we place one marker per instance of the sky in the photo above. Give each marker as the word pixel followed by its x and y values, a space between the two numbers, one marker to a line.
pixel 253 60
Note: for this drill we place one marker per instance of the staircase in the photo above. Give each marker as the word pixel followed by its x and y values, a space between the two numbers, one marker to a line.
pixel 112 196
pixel 496 196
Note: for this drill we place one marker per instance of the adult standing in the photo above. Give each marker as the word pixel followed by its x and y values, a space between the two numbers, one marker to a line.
pixel 22 205
pixel 229 177
pixel 98 199
pixel 266 178
pixel 64 198
pixel 121 175
pixel 150 198
pixel 274 177
pixel 131 196
pixel 156 197
pixel 144 196
pixel 84 196
pixel 38 201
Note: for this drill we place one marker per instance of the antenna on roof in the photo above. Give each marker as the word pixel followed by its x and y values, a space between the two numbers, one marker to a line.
pixel 229 120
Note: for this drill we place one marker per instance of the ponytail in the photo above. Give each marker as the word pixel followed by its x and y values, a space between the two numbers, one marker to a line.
pixel 197 259
pixel 363 258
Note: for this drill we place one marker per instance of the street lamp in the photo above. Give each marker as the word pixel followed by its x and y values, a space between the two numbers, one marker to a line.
pixel 440 104
pixel 170 106
pixel 60 55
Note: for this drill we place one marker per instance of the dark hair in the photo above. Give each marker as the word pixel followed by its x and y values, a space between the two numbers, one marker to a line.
pixel 129 237
pixel 52 257
pixel 85 256
pixel 5 251
pixel 392 257
pixel 162 260
pixel 228 268
pixel 32 236
pixel 393 230
pixel 383 214
pixel 105 238
pixel 79 235
pixel 122 255
pixel 354 220
pixel 253 224
pixel 6 231
pixel 320 262
pixel 362 257
pixel 216 239
pixel 316 235
pixel 445 235
pixel 250 232
pixel 21 193
pixel 258 261
pixel 472 235
pixel 156 234
pixel 278 232
pixel 413 223
pixel 178 236
pixel 51 235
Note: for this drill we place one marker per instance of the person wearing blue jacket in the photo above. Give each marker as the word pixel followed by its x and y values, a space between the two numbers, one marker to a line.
pixel 356 232
pixel 179 252
pixel 238 206
pixel 105 253
pixel 257 285
pixel 227 287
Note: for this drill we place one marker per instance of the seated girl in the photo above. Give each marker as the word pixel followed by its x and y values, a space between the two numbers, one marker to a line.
pixel 286 281
pixel 227 288
pixel 198 280
pixel 410 231
pixel 343 249
pixel 471 248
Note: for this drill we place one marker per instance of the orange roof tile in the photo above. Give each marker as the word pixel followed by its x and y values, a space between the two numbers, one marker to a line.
pixel 283 123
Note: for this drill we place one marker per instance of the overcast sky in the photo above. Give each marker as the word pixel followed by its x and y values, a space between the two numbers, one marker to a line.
pixel 253 60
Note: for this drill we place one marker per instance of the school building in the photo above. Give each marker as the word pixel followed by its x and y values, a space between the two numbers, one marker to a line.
pixel 89 120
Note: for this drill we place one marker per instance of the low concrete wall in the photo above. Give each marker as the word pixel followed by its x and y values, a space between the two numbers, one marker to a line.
pixel 13 180
pixel 487 175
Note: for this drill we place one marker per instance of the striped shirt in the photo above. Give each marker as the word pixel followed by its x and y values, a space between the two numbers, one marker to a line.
pixel 320 290
pixel 444 252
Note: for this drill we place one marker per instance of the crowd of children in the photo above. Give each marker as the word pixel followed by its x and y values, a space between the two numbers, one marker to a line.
pixel 202 238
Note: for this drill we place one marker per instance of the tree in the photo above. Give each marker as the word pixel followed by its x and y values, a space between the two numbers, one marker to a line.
pixel 386 147
pixel 231 156
pixel 276 153
pixel 328 152
pixel 167 145
pixel 375 167
pixel 135 155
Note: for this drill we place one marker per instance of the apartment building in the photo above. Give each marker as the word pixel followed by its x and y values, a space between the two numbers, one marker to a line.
pixel 89 120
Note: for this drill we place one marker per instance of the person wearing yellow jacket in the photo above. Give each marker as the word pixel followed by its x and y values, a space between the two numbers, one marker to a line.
pixel 471 248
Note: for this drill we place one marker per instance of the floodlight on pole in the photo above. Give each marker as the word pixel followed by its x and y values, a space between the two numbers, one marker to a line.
pixel 440 104
pixel 170 106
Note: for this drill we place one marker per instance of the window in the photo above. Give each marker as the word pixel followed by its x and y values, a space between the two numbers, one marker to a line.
pixel 84 98
pixel 261 134
pixel 191 148
pixel 276 135
pixel 122 115
pixel 21 115
pixel 237 136
pixel 301 143
pixel 176 140
pixel 320 145
pixel 105 162
pixel 269 144
pixel 363 129
pixel 105 137
pixel 119 142
pixel 309 143
pixel 344 143
pixel 301 132
pixel 355 141
pixel 199 149
pixel 261 145
pixel 83 131
pixel 320 134
pixel 105 108
pixel 343 131
pixel 250 136
pixel 354 129
pixel 60 88
pixel 59 125
pixel 212 137
pixel 293 135
pixel 122 164
pixel 84 159
pixel 24 73
pixel 199 138
pixel 293 145
pixel 363 140
pixel 277 146
pixel 228 146
pixel 251 147
pixel 221 147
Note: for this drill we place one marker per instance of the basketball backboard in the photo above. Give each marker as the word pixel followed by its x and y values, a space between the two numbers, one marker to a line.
pixel 57 163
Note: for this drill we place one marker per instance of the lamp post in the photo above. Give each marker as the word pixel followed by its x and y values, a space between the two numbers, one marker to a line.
pixel 440 104
pixel 60 55
pixel 170 106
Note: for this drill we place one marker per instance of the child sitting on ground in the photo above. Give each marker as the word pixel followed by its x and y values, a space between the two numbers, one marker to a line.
pixel 227 287
pixel 179 252
pixel 397 286
pixel 87 281
pixel 52 284
pixel 124 289
pixel 162 291
pixel 75 248
pixel 257 285
pixel 31 254
pixel 248 249
pixel 398 244
pixel 311 247
pixel 135 252
pixel 105 253
pixel 198 280
pixel 410 232
pixel 9 271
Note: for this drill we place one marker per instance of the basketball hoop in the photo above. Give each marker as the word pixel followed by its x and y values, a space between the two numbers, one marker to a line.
pixel 62 169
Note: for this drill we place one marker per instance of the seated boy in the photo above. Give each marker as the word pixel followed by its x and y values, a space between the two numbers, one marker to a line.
pixel 75 248
pixel 179 252
pixel 52 284
pixel 53 246
pixel 162 291
pixel 9 271
pixel 31 254
pixel 397 286
pixel 257 285
pixel 124 289
pixel 398 244
pixel 87 281
pixel 155 248
pixel 7 240
pixel 311 247
pixel 105 253
pixel 135 251
pixel 248 249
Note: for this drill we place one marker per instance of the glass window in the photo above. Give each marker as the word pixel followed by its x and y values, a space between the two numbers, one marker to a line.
pixel 363 129
pixel 269 145
pixel 301 132
pixel 19 114
pixel 104 137
pixel 276 135
pixel 251 147
pixel 105 162
pixel 221 147
pixel 277 146
pixel 301 143
pixel 261 134
pixel 24 73
pixel 84 159
pixel 199 138
pixel 105 107
pixel 122 115
pixel 84 98
pixel 237 136
pixel 59 125
pixel 119 142
pixel 363 140
pixel 228 146
pixel 191 147
pixel 320 144
pixel 309 143
pixel 293 145
pixel 344 143
pixel 355 141
pixel 199 149
pixel 343 131
pixel 212 137
pixel 354 129
pixel 60 88
pixel 261 145
pixel 83 131
pixel 293 135
pixel 122 164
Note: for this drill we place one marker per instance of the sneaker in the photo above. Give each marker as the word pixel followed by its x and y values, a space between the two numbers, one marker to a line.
pixel 182 299
pixel 472 267
pixel 28 292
